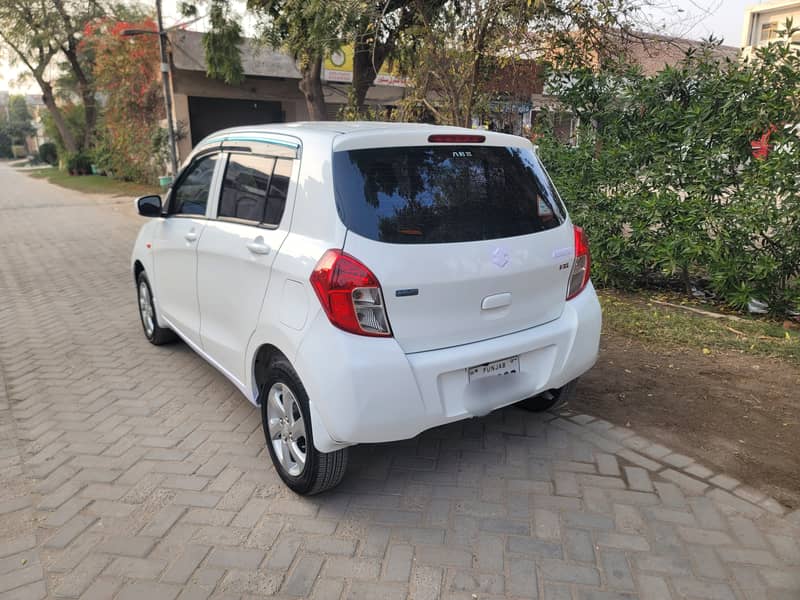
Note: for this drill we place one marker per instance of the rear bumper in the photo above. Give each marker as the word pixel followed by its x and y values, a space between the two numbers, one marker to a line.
pixel 367 390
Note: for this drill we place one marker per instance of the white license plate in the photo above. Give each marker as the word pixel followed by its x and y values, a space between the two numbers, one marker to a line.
pixel 505 366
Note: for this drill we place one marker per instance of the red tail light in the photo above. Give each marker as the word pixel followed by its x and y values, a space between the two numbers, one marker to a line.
pixel 350 295
pixel 456 138
pixel 579 276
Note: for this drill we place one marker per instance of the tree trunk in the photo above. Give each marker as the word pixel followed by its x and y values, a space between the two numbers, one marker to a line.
pixel 363 74
pixel 70 144
pixel 368 58
pixel 86 91
pixel 311 86
pixel 85 87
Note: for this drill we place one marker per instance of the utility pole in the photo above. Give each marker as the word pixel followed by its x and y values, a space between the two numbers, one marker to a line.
pixel 165 79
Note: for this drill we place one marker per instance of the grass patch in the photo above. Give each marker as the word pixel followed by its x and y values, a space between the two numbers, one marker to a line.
pixel 94 184
pixel 636 316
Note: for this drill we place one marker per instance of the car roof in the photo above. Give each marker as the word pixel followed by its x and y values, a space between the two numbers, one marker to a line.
pixel 331 129
pixel 338 127
pixel 343 134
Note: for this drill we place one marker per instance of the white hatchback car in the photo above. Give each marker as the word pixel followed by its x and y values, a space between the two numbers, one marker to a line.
pixel 364 282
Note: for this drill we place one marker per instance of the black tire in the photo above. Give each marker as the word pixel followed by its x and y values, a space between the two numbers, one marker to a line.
pixel 550 398
pixel 159 335
pixel 322 470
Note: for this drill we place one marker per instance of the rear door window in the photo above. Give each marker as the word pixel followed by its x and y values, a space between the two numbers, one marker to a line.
pixel 244 188
pixel 254 189
pixel 441 194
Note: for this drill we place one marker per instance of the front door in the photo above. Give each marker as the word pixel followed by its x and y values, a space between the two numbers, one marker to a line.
pixel 175 247
pixel 236 253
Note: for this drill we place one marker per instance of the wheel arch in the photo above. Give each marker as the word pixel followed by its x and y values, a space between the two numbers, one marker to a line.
pixel 262 358
pixel 138 267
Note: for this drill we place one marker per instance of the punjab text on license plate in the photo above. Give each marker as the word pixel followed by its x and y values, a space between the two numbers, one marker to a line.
pixel 504 366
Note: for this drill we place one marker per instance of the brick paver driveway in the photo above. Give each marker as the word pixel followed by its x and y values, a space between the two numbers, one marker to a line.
pixel 135 472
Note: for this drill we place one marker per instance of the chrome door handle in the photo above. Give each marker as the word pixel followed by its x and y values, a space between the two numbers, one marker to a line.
pixel 257 246
pixel 191 236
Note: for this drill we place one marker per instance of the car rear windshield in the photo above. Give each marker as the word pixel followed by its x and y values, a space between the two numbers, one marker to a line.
pixel 441 194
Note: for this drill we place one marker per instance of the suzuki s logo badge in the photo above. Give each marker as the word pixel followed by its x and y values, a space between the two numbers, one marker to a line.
pixel 500 257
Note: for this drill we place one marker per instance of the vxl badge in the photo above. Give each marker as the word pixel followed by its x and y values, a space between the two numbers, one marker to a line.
pixel 500 257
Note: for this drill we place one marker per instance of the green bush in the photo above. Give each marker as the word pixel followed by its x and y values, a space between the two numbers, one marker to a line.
pixel 664 180
pixel 5 144
pixel 78 163
pixel 48 153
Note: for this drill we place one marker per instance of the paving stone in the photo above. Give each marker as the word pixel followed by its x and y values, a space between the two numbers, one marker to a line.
pixel 709 537
pixel 75 582
pixel 726 499
pixel 698 471
pixel 556 591
pixel 607 465
pixel 669 565
pixel 148 590
pixel 557 570
pixel 681 461
pixel 703 589
pixel 32 591
pixel 20 577
pixel 488 555
pixel 546 524
pixel 235 558
pixel 638 479
pixel 621 541
pixel 185 565
pixel 399 559
pixel 747 533
pixel 725 482
pixel 444 556
pixel 748 556
pixel 127 546
pixel 689 484
pixel 579 545
pixel 150 478
pixel 656 451
pixel 361 590
pixel 616 572
pixel 588 521
pixel 653 587
pixel 749 494
pixel 786 547
pixel 102 589
pixel 707 514
pixel 303 575
pixel 639 460
pixel 533 547
pixel 426 583
pixel 72 529
pixel 362 568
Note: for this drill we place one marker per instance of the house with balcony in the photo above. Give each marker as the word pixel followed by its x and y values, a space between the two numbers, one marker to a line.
pixel 766 22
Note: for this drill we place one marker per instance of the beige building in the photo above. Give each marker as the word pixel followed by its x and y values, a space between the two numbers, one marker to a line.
pixel 269 93
pixel 766 22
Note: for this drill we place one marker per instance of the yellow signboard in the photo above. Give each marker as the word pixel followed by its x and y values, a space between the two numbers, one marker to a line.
pixel 338 68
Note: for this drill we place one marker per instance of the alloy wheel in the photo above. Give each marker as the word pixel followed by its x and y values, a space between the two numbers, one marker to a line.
pixel 287 429
pixel 146 309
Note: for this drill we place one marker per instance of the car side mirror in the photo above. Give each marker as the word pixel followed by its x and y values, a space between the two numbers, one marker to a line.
pixel 149 206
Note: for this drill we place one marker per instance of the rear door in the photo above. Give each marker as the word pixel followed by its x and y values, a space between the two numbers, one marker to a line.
pixel 468 242
pixel 237 250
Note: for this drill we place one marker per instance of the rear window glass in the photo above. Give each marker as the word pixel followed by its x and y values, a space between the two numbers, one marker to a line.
pixel 440 194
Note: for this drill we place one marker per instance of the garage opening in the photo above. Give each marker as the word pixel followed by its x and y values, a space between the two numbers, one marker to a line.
pixel 207 115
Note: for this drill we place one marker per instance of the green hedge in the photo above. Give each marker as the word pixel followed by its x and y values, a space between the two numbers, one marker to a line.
pixel 664 180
